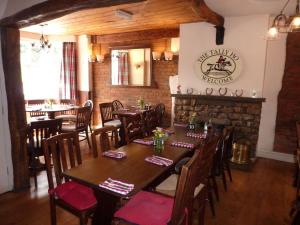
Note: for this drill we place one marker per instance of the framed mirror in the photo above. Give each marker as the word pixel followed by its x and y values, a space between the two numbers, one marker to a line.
pixel 131 66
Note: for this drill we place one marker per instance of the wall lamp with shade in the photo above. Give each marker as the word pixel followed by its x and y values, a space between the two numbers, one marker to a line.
pixel 95 53
pixel 156 56
pixel 168 54
pixel 284 24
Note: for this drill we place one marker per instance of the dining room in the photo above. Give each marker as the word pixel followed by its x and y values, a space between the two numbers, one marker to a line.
pixel 149 112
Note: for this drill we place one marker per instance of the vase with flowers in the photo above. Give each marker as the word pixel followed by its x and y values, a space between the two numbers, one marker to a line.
pixel 158 139
pixel 141 103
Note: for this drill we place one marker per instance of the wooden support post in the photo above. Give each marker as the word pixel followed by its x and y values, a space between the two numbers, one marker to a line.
pixel 220 31
pixel 10 44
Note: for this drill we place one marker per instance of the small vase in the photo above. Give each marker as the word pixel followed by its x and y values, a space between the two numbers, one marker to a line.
pixel 158 145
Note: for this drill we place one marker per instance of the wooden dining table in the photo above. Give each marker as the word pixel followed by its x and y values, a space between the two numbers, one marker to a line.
pixel 51 110
pixel 132 169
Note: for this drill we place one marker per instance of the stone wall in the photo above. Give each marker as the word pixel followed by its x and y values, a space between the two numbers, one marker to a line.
pixel 242 113
pixel 288 108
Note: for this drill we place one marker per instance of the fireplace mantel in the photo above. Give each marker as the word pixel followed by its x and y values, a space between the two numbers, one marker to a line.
pixel 221 98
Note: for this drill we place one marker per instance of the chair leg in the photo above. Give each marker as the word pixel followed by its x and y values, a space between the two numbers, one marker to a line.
pixel 83 219
pixel 87 137
pixel 215 187
pixel 228 170
pixel 224 179
pixel 211 200
pixel 52 211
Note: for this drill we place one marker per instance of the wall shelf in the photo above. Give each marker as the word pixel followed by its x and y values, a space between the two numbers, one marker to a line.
pixel 221 98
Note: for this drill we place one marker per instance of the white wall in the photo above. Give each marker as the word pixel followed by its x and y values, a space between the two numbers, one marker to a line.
pixel 263 64
pixel 6 179
pixel 244 35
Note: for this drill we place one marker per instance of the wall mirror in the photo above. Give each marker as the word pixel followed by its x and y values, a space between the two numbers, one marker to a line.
pixel 131 66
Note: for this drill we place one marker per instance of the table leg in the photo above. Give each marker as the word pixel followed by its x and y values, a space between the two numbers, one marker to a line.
pixel 51 115
pixel 105 209
pixel 122 136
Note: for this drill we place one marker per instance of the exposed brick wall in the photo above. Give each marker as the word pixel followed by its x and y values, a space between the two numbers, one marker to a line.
pixel 288 108
pixel 161 70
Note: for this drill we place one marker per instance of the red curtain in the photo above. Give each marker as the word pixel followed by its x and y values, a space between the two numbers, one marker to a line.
pixel 68 80
pixel 123 68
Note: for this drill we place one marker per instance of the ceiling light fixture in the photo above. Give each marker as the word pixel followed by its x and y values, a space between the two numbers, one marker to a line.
pixel 44 42
pixel 284 24
pixel 124 14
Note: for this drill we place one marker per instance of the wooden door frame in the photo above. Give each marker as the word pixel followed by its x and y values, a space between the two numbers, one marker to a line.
pixel 10 47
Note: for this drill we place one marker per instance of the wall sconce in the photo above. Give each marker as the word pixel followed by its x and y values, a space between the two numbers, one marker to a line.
pixel 156 55
pixel 100 58
pixel 168 55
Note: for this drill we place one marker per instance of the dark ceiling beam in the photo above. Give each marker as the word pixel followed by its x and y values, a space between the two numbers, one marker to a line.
pixel 200 8
pixel 53 9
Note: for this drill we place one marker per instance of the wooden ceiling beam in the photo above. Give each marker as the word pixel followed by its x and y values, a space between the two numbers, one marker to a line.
pixel 52 9
pixel 138 35
pixel 200 8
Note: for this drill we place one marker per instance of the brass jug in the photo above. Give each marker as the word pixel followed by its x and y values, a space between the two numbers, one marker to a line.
pixel 240 153
pixel 235 152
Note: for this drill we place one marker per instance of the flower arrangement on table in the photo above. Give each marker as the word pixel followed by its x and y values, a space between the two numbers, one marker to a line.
pixel 141 103
pixel 160 135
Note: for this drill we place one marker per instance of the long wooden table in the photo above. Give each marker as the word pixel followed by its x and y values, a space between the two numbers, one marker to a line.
pixel 132 169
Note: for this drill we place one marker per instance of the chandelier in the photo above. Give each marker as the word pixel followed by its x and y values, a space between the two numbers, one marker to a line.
pixel 284 24
pixel 44 42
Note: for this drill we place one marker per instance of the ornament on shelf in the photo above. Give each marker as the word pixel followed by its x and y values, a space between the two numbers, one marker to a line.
pixel 179 89
pixel 189 91
pixel 239 93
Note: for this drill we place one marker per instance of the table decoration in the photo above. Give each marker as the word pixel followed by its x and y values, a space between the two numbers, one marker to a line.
pixel 114 154
pixel 182 144
pixel 158 140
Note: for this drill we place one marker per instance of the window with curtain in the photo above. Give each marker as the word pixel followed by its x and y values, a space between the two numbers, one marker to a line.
pixel 41 70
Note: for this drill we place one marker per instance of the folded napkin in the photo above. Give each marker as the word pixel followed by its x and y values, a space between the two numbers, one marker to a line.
pixel 117 186
pixel 196 135
pixel 161 161
pixel 143 141
pixel 182 144
pixel 114 154
pixel 180 125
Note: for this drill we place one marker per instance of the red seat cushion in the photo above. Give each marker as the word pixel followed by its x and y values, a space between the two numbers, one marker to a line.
pixel 147 208
pixel 76 195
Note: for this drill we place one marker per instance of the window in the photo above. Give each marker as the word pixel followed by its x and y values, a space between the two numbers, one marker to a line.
pixel 40 70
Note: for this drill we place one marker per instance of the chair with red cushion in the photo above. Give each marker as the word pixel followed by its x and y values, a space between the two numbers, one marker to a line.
pixel 69 195
pixel 151 208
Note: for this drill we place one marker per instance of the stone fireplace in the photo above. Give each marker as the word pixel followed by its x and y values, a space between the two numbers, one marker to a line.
pixel 243 113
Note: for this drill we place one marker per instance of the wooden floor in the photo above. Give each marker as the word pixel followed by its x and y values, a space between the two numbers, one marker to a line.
pixel 260 197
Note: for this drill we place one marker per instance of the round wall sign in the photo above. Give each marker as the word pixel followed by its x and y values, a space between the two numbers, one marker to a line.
pixel 218 66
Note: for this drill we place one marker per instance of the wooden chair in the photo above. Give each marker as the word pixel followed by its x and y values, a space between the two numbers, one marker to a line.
pixel 160 111
pixel 105 143
pixel 91 105
pixel 168 186
pixel 37 102
pixel 37 131
pixel 68 115
pixel 83 118
pixel 151 121
pixel 116 104
pixel 69 195
pixel 133 127
pixel 107 117
pixel 227 151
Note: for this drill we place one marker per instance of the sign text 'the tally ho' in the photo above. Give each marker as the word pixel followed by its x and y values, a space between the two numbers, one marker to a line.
pixel 218 66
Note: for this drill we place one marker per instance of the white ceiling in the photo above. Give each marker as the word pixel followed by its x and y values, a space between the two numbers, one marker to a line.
pixel 250 7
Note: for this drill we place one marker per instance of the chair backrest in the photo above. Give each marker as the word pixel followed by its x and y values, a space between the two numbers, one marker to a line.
pixel 228 141
pixel 298 133
pixel 106 110
pixel 160 110
pixel 37 113
pixel 105 143
pixel 151 121
pixel 193 173
pixel 116 104
pixel 67 101
pixel 83 117
pixel 65 152
pixel 35 102
pixel 39 130
pixel 133 127
pixel 89 103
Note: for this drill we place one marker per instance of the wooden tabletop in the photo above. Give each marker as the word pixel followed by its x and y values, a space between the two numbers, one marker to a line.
pixel 132 169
